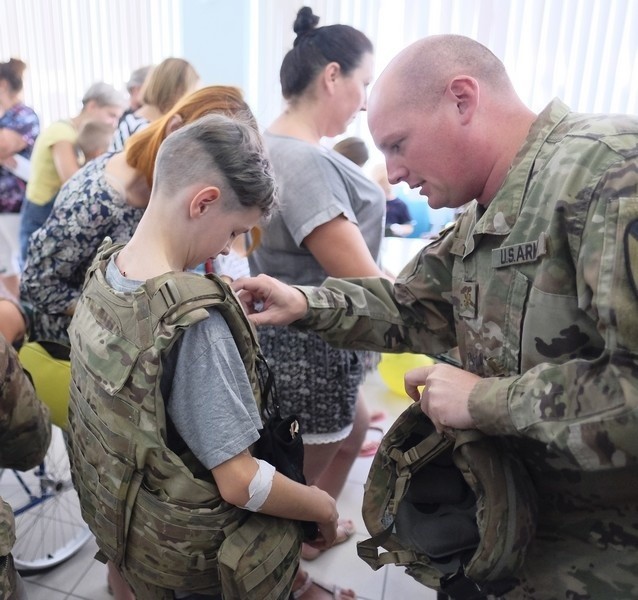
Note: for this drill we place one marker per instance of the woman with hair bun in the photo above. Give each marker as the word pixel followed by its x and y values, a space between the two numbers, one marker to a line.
pixel 330 224
pixel 19 127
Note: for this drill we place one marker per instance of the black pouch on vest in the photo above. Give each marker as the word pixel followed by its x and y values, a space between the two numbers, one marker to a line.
pixel 280 442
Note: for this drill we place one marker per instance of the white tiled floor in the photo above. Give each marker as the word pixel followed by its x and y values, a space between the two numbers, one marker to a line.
pixel 82 577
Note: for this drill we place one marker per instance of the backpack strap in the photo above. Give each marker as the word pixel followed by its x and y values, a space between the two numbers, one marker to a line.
pixel 408 461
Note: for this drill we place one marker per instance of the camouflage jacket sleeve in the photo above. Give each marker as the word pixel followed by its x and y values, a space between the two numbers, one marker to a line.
pixel 413 315
pixel 25 431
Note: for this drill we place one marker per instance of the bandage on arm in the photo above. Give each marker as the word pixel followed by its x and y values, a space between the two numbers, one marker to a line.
pixel 260 485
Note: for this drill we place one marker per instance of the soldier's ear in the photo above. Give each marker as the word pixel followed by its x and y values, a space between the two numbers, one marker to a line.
pixel 463 90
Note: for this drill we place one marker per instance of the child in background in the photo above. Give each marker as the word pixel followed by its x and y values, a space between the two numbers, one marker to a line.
pixel 93 140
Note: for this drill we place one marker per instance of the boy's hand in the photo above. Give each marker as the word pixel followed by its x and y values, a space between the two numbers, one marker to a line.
pixel 327 529
pixel 268 301
pixel 445 395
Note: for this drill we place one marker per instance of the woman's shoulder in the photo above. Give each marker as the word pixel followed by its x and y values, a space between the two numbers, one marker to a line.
pixel 59 131
pixel 22 113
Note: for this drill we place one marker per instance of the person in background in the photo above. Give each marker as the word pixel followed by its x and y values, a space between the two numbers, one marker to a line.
pixel 19 128
pixel 330 223
pixel 134 87
pixel 165 85
pixel 211 183
pixel 25 435
pixel 105 198
pixel 13 321
pixel 398 221
pixel 354 149
pixel 537 283
pixel 93 140
pixel 55 160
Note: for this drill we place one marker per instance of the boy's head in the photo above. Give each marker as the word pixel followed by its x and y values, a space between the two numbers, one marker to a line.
pixel 354 149
pixel 220 164
pixel 94 138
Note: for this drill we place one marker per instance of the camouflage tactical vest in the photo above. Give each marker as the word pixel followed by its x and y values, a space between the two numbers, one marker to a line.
pixel 158 516
pixel 459 514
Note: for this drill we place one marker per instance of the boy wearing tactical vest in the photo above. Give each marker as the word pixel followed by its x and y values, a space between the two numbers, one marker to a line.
pixel 164 392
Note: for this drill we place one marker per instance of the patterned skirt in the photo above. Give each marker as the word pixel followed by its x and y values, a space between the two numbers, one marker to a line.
pixel 315 381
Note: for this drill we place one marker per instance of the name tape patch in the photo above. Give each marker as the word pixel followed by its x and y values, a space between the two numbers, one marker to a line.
pixel 524 252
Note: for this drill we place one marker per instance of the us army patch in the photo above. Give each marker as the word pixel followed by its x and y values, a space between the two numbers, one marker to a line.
pixel 519 253
pixel 631 254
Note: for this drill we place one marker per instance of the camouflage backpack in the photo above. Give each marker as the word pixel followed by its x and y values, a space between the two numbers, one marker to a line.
pixel 157 514
pixel 458 514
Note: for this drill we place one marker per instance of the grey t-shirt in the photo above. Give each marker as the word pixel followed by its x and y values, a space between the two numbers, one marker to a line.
pixel 316 185
pixel 210 400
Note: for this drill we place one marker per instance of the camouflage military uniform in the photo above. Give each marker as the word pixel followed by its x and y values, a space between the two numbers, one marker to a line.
pixel 539 291
pixel 25 434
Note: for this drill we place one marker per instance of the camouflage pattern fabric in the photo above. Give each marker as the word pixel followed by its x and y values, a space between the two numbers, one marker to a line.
pixel 538 290
pixel 25 434
pixel 454 509
pixel 250 559
pixel 158 516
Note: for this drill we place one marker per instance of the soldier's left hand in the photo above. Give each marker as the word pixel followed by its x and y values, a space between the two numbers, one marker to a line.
pixel 445 396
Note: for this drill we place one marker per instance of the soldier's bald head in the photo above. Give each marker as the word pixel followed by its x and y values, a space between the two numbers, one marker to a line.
pixel 420 73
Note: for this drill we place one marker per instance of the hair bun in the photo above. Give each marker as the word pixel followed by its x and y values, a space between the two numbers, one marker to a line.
pixel 17 66
pixel 305 22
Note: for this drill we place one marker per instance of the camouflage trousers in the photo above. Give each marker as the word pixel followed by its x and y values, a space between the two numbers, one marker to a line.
pixel 597 561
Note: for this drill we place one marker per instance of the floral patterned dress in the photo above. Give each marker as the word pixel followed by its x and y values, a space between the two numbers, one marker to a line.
pixel 21 119
pixel 86 210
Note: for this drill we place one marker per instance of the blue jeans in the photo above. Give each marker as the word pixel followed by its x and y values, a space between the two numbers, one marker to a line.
pixel 32 217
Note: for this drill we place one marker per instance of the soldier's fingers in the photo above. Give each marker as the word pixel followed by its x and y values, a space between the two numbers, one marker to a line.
pixel 414 379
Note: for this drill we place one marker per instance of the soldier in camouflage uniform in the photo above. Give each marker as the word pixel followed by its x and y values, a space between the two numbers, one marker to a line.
pixel 537 284
pixel 25 433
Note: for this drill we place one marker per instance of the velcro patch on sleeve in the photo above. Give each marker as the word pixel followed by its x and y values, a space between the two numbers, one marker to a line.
pixel 631 254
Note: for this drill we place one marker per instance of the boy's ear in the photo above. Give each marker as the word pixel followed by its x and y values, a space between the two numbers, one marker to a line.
pixel 203 200
pixel 174 123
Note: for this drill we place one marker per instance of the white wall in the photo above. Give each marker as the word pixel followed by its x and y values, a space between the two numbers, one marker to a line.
pixel 585 51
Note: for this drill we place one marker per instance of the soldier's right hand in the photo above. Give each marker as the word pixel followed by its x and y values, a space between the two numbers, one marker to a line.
pixel 268 301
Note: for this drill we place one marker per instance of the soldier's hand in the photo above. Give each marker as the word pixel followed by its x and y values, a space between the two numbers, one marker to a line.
pixel 445 395
pixel 268 301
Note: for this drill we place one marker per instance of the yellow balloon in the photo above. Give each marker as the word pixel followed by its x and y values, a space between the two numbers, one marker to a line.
pixel 392 368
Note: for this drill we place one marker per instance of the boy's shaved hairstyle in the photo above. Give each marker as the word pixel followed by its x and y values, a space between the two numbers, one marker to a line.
pixel 220 151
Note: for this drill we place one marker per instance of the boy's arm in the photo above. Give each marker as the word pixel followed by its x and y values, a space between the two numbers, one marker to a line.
pixel 287 498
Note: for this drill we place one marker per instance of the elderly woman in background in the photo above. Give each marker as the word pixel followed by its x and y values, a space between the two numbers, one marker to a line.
pixel 55 157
